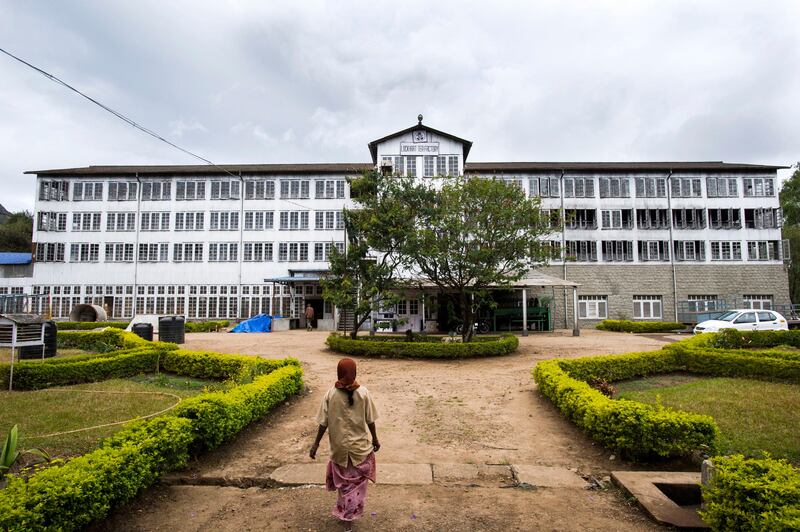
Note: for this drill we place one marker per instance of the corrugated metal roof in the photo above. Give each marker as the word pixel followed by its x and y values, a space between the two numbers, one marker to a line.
pixel 357 168
pixel 10 259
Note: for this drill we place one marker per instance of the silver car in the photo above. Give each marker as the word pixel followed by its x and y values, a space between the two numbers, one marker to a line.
pixel 745 320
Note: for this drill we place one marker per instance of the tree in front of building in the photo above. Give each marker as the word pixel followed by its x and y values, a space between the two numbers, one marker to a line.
pixel 16 232
pixel 366 277
pixel 790 206
pixel 474 236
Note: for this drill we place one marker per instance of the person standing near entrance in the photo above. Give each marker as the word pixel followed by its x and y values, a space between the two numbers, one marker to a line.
pixel 309 317
pixel 348 414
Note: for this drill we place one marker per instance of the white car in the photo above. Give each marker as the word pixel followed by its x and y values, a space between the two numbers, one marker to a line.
pixel 745 320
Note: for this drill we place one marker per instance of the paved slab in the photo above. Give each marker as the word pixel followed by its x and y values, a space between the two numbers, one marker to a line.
pixel 392 474
pixel 470 472
pixel 642 486
pixel 547 477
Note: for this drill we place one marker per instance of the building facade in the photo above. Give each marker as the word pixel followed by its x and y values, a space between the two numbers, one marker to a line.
pixel 644 240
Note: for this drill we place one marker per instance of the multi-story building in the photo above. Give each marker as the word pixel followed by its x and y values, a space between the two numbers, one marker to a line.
pixel 232 241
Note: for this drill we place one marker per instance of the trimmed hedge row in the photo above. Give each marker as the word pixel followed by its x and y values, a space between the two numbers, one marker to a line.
pixel 89 325
pixel 191 326
pixel 752 495
pixel 71 496
pixel 634 429
pixel 369 348
pixel 423 338
pixel 639 430
pixel 639 326
pixel 99 341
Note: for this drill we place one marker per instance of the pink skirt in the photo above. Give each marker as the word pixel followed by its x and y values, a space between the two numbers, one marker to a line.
pixel 351 481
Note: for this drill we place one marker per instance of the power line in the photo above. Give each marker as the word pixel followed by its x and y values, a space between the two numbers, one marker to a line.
pixel 127 120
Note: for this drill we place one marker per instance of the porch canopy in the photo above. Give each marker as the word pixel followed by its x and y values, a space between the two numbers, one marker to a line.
pixel 536 279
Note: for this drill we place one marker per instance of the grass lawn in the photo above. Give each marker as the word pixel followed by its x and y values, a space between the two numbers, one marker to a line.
pixel 66 408
pixel 5 354
pixel 753 416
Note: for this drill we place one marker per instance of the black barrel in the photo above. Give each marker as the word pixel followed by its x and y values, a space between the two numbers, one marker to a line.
pixel 50 344
pixel 143 330
pixel 172 329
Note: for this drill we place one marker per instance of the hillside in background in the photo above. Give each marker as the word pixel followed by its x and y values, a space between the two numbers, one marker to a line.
pixel 16 230
pixel 4 215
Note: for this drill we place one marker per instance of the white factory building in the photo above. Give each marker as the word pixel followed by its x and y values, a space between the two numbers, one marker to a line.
pixel 641 239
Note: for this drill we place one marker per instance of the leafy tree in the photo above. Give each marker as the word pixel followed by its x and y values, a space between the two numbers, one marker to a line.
pixel 790 198
pixel 475 235
pixel 790 205
pixel 367 276
pixel 16 232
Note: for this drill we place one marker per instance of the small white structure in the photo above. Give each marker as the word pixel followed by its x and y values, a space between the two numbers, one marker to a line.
pixel 19 330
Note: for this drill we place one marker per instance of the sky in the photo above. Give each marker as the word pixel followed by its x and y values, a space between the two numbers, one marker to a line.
pixel 313 81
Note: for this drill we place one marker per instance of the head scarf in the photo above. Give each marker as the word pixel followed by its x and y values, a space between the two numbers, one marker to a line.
pixel 346 372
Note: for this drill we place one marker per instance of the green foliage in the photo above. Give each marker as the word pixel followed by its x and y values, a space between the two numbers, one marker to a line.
pixel 89 325
pixel 639 326
pixel 10 454
pixel 16 232
pixel 792 234
pixel 206 326
pixel 752 495
pixel 83 490
pixel 218 416
pixel 100 341
pixel 734 339
pixel 634 429
pixel 71 496
pixel 790 198
pixel 392 349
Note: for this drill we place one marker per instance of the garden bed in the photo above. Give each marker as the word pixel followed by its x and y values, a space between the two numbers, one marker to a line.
pixel 84 489
pixel 422 346
pixel 640 326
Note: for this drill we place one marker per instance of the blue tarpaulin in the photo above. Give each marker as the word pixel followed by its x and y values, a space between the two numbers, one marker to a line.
pixel 258 323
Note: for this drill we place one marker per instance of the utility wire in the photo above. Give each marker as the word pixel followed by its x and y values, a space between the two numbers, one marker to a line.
pixel 127 120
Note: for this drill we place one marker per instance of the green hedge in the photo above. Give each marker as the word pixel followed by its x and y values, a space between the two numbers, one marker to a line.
pixel 640 326
pixel 422 338
pixel 99 341
pixel 85 489
pixel 206 326
pixel 71 496
pixel 218 416
pixel 634 429
pixel 752 495
pixel 89 325
pixel 639 430
pixel 370 348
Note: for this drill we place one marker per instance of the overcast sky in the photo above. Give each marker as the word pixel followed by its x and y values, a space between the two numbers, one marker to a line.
pixel 315 81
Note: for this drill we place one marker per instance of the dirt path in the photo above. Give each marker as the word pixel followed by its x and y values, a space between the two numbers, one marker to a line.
pixel 481 411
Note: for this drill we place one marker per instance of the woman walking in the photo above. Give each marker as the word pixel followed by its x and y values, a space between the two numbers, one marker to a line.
pixel 348 414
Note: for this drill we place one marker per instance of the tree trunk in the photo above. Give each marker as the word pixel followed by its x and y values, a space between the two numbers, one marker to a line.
pixel 357 325
pixel 466 317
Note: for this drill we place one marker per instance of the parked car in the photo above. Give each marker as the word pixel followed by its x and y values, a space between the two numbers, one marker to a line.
pixel 745 320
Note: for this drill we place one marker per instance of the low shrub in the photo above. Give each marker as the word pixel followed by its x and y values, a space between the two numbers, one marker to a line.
pixel 423 338
pixel 634 429
pixel 71 496
pixel 206 326
pixel 89 325
pixel 640 326
pixel 752 495
pixel 209 365
pixel 735 339
pixel 99 341
pixel 371 348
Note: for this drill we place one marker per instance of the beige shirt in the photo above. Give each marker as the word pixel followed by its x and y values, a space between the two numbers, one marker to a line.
pixel 348 433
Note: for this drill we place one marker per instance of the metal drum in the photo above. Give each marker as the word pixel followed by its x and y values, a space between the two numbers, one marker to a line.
pixel 172 329
pixel 143 330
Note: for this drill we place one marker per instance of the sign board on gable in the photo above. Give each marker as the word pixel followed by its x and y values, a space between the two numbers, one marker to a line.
pixel 427 148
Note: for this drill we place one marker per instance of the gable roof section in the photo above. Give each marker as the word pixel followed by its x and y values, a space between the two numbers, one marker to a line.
pixel 373 146
pixel 204 169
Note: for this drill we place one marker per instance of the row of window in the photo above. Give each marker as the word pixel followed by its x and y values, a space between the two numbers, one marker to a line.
pixel 188 252
pixel 432 165
pixel 595 307
pixel 191 221
pixel 659 250
pixel 191 189
pixel 731 218
pixel 646 187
